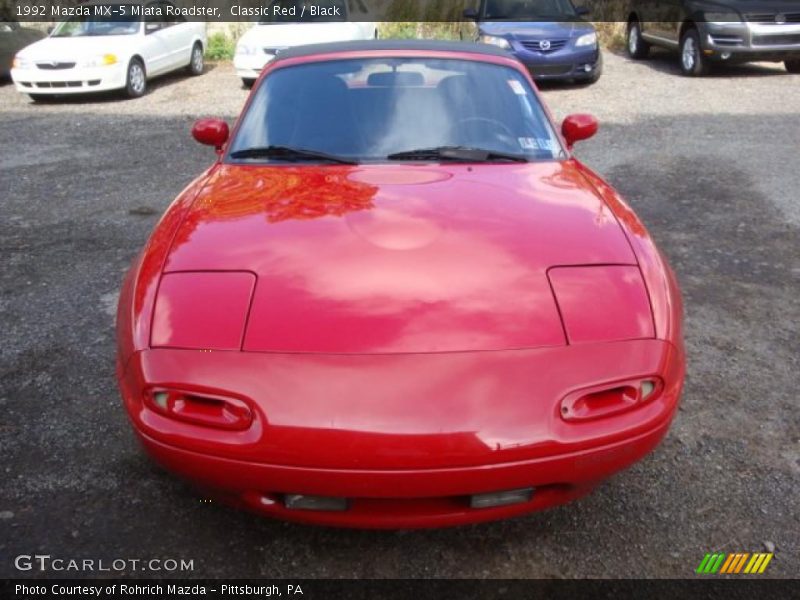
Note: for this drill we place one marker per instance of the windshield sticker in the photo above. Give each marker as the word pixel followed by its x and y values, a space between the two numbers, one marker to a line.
pixel 546 144
pixel 527 143
pixel 516 87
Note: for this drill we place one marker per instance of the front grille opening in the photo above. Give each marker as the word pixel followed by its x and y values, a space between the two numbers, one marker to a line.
pixel 727 40
pixel 776 40
pixel 543 46
pixel 538 70
pixel 58 84
pixel 434 505
pixel 55 66
pixel 768 18
pixel 62 84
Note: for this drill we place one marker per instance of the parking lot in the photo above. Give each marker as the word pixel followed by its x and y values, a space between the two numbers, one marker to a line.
pixel 711 165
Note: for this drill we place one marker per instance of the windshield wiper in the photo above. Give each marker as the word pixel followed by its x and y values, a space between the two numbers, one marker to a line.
pixel 457 153
pixel 291 154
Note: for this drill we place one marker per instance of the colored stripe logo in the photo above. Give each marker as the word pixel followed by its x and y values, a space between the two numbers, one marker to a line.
pixel 735 563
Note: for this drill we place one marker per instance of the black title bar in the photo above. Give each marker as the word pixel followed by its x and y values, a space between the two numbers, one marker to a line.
pixel 393 589
pixel 306 11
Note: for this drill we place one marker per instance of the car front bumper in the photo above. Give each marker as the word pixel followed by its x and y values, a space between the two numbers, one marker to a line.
pixel 405 451
pixel 744 42
pixel 69 81
pixel 249 66
pixel 402 499
pixel 568 63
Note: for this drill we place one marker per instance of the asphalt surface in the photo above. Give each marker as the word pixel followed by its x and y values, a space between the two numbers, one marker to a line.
pixel 712 166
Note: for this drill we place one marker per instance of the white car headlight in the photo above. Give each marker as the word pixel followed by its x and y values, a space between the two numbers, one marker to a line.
pixel 495 41
pixel 101 60
pixel 21 63
pixel 722 17
pixel 587 39
pixel 245 49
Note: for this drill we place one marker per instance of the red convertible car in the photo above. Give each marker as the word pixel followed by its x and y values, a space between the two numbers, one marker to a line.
pixel 397 300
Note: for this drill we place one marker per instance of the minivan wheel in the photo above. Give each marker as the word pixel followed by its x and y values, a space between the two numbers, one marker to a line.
pixel 136 84
pixel 793 66
pixel 693 63
pixel 636 46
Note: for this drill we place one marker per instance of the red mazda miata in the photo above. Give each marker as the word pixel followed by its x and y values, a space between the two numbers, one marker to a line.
pixel 397 300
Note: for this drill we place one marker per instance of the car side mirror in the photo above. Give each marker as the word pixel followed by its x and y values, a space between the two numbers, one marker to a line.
pixel 583 11
pixel 471 14
pixel 578 127
pixel 211 132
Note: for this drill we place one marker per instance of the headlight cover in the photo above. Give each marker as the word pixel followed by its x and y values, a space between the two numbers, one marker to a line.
pixel 245 49
pixel 22 63
pixel 207 409
pixel 587 39
pixel 202 310
pixel 494 40
pixel 603 303
pixel 101 60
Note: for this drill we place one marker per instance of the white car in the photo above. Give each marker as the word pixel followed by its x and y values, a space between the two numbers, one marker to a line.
pixel 89 53
pixel 275 33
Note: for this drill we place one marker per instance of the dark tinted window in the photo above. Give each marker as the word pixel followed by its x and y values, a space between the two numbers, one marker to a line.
pixel 528 9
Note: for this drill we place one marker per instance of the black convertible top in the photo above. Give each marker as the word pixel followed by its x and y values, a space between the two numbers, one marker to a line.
pixel 390 45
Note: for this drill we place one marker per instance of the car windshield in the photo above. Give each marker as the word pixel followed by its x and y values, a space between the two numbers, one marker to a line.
pixel 520 10
pixel 117 22
pixel 307 11
pixel 379 109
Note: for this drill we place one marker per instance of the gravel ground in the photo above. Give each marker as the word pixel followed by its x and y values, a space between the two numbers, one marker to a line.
pixel 709 164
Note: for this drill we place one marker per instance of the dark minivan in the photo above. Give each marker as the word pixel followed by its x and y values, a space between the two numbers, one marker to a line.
pixel 550 37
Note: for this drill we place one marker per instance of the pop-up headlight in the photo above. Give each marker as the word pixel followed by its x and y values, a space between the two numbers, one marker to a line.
pixel 602 303
pixel 202 310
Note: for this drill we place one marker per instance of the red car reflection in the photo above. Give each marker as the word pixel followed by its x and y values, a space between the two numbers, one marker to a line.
pixel 408 307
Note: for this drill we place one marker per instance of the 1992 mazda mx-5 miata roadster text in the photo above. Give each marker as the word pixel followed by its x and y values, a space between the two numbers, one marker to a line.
pixel 397 300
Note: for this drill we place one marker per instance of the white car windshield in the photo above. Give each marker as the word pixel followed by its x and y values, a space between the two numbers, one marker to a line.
pixel 94 26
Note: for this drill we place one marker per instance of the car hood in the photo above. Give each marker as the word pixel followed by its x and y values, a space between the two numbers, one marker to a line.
pixel 399 258
pixel 76 48
pixel 532 29
pixel 287 35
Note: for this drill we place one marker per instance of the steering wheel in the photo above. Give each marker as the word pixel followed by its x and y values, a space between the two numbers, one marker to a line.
pixel 501 130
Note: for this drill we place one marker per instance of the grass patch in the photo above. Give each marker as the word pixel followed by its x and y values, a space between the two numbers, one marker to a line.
pixel 427 30
pixel 220 47
pixel 611 34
